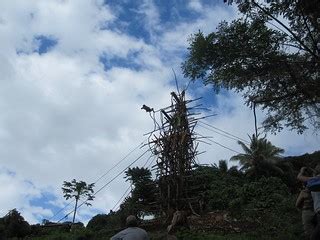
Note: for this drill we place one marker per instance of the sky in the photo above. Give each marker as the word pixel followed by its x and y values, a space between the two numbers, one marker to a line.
pixel 73 77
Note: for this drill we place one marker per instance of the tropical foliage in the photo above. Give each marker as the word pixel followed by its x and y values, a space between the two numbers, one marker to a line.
pixel 104 221
pixel 78 190
pixel 265 205
pixel 13 225
pixel 261 157
pixel 270 54
pixel 143 191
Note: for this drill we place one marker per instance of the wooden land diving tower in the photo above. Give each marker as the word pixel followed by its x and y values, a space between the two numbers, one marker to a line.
pixel 173 141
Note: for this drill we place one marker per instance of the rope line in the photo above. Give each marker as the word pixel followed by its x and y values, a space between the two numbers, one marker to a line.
pixel 113 167
pixel 117 164
pixel 61 210
pixel 126 192
pixel 221 145
pixel 121 198
pixel 232 135
pixel 218 132
pixel 137 159
pixel 105 185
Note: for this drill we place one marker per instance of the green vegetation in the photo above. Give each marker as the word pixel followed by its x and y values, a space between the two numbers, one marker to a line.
pixel 78 190
pixel 237 206
pixel 270 55
pixel 13 225
pixel 261 158
pixel 142 194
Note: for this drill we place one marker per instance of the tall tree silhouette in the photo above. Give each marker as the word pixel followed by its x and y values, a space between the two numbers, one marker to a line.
pixel 261 157
pixel 15 225
pixel 143 191
pixel 78 190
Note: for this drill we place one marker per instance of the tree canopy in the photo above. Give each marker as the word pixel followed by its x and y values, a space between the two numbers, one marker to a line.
pixel 77 190
pixel 143 192
pixel 260 158
pixel 14 225
pixel 270 55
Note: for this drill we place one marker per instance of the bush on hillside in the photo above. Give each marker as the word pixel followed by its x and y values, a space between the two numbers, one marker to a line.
pixel 14 225
pixel 104 221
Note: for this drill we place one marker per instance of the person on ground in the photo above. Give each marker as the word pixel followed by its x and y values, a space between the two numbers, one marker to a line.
pixel 179 222
pixel 132 232
pixel 305 203
pixel 316 200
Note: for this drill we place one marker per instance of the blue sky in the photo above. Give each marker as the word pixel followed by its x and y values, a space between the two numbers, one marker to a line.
pixel 74 75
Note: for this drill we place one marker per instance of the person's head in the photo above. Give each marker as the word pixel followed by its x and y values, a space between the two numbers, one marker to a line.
pixel 131 221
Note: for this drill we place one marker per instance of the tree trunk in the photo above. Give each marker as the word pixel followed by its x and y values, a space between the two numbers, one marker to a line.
pixel 255 119
pixel 75 210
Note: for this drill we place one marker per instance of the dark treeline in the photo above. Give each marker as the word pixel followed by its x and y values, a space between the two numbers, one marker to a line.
pixel 251 205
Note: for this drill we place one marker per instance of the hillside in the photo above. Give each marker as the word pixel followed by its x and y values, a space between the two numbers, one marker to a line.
pixel 236 207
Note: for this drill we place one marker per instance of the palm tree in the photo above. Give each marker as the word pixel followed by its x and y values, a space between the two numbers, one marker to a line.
pixel 261 157
pixel 223 166
pixel 78 190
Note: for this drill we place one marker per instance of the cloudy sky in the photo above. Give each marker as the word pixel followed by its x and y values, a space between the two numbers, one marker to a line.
pixel 74 75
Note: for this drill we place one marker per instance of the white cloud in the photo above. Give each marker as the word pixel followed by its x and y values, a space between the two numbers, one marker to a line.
pixel 17 192
pixel 152 17
pixel 236 118
pixel 195 5
pixel 176 38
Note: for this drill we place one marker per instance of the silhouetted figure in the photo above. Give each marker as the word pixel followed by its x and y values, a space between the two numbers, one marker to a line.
pixel 305 203
pixel 148 109
pixel 316 200
pixel 132 232
pixel 179 221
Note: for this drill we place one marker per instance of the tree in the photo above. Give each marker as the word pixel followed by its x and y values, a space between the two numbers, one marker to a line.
pixel 143 184
pixel 260 158
pixel 78 190
pixel 15 225
pixel 143 191
pixel 105 221
pixel 274 63
pixel 223 166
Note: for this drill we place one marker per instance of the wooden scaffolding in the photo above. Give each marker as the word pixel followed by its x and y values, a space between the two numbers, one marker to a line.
pixel 174 142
